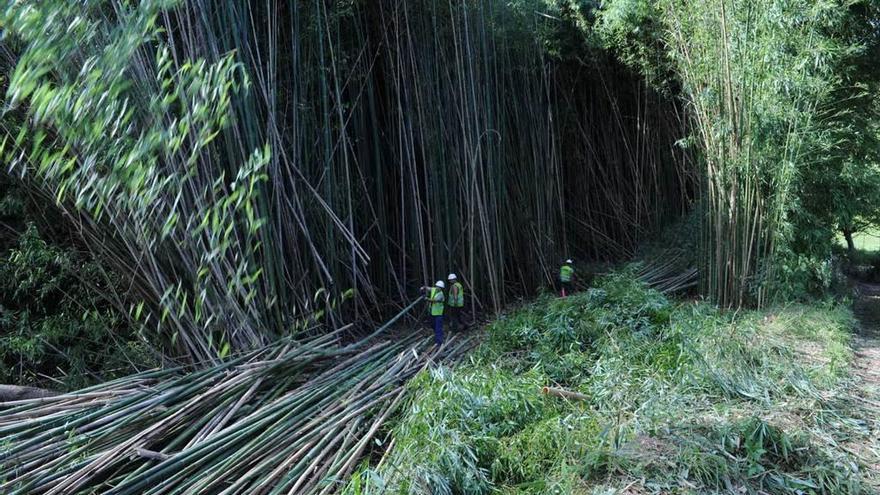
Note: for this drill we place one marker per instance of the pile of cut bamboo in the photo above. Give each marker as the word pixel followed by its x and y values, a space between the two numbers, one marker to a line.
pixel 670 271
pixel 295 417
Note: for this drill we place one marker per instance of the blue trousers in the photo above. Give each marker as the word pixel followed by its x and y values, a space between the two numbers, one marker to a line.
pixel 438 329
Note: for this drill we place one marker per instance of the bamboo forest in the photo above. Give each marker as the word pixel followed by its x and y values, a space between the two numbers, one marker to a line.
pixel 439 247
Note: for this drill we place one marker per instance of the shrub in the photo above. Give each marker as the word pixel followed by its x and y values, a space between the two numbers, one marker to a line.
pixel 55 320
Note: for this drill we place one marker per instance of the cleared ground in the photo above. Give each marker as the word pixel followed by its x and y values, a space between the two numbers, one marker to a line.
pixel 866 369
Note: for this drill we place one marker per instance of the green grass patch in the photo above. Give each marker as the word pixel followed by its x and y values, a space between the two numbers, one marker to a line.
pixel 680 398
pixel 868 240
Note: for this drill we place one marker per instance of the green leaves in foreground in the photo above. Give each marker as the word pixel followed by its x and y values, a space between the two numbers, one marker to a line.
pixel 124 131
pixel 679 398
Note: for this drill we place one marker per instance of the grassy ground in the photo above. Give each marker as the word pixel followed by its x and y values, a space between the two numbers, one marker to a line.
pixel 864 241
pixel 680 398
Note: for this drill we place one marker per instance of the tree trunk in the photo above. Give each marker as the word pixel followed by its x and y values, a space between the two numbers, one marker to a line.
pixel 850 244
pixel 12 392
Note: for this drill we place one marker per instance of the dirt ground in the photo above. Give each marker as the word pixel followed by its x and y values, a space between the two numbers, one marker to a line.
pixel 866 371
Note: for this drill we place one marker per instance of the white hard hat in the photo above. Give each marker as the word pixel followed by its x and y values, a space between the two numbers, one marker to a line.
pixel 452 276
pixel 569 261
pixel 440 284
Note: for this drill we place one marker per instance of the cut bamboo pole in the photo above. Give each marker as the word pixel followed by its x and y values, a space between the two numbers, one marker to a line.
pixel 565 394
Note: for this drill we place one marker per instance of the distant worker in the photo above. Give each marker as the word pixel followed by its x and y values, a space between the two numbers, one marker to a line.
pixel 456 302
pixel 566 277
pixel 436 300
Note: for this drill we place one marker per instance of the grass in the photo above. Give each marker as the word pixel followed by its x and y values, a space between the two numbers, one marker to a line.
pixel 864 241
pixel 681 398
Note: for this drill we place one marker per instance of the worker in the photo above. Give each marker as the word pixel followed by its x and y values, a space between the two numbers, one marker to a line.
pixel 456 301
pixel 436 300
pixel 566 276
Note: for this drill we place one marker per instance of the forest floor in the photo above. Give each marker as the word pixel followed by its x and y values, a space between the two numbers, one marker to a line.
pixel 672 396
pixel 866 363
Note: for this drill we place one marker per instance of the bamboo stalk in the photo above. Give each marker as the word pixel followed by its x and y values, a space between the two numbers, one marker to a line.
pixel 565 394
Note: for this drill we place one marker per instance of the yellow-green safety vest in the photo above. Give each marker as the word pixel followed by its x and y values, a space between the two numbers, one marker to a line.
pixel 456 295
pixel 436 299
pixel 565 273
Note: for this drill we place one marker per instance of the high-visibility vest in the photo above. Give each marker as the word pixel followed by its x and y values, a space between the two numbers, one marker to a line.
pixel 436 297
pixel 565 273
pixel 456 295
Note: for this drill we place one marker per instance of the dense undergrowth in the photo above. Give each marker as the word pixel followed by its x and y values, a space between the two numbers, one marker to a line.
pixel 59 327
pixel 681 398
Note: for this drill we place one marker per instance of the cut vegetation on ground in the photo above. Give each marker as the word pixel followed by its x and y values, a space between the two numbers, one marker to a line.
pixel 234 195
pixel 674 397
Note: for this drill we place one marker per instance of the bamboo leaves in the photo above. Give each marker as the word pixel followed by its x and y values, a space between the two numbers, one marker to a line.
pixel 231 159
pixel 754 75
pixel 129 152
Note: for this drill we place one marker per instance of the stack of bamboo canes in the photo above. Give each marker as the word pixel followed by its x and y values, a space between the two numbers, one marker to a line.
pixel 295 417
pixel 670 271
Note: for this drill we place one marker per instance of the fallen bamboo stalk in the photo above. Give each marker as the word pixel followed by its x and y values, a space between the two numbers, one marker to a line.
pixel 558 392
pixel 13 393
pixel 293 417
pixel 150 454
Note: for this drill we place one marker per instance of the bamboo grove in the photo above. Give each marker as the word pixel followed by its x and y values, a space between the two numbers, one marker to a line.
pixel 777 118
pixel 254 167
pixel 270 178
pixel 752 113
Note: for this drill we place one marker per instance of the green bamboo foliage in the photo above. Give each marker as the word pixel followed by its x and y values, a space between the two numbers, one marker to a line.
pixel 133 160
pixel 255 167
pixel 753 74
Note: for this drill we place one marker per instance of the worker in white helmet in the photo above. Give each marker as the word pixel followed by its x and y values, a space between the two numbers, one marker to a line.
pixel 456 302
pixel 436 303
pixel 566 276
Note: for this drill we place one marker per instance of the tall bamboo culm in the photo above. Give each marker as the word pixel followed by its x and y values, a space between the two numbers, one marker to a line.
pixel 360 150
pixel 752 73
